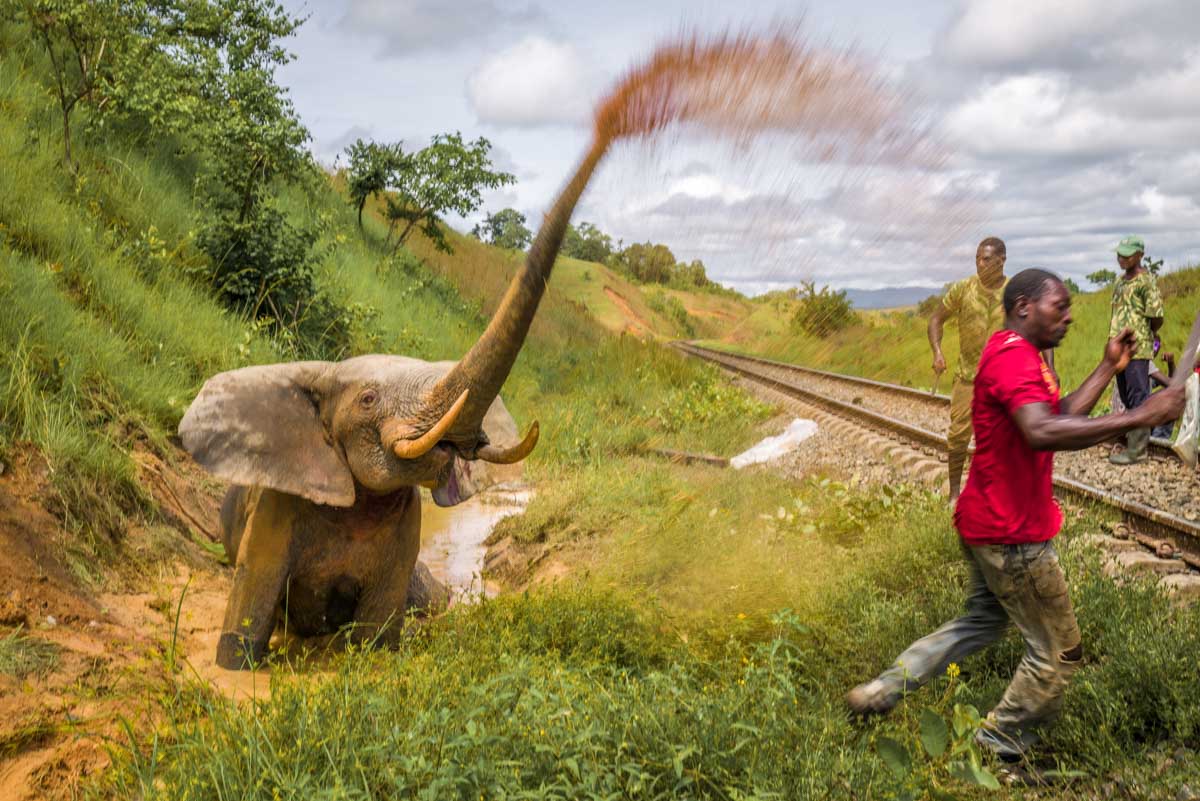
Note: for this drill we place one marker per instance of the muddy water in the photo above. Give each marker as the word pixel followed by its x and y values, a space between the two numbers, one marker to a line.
pixel 452 538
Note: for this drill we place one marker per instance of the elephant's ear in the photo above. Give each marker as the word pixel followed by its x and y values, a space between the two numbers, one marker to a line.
pixel 465 478
pixel 261 427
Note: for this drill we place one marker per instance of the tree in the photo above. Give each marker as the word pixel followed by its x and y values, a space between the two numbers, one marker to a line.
pixel 692 274
pixel 449 175
pixel 373 167
pixel 506 229
pixel 647 262
pixel 587 243
pixel 1152 266
pixel 1072 286
pixel 822 312
pixel 83 39
pixel 1102 277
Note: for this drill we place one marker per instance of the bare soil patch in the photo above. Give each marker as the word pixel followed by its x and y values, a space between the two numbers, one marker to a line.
pixel 636 324
pixel 114 643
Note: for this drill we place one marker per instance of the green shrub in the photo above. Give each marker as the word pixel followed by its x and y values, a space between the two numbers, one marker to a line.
pixel 822 312
pixel 670 307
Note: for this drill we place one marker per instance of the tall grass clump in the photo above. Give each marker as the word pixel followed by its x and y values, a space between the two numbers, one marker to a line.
pixel 22 655
pixel 590 704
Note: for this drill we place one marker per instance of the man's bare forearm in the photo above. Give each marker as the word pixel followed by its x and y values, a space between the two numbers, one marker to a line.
pixel 934 331
pixel 1061 432
pixel 1081 401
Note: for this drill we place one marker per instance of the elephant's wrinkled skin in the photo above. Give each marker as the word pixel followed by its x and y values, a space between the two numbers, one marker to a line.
pixel 323 522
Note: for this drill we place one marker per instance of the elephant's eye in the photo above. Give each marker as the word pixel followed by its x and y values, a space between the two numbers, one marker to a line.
pixel 368 399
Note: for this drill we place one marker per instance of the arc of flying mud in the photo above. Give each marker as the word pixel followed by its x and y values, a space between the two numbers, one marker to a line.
pixel 734 86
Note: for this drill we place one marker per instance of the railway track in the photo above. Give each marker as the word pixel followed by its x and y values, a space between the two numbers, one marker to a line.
pixel 1147 521
pixel 936 402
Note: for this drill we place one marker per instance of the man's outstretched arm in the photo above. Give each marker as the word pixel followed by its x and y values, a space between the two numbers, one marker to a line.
pixel 1046 431
pixel 1117 353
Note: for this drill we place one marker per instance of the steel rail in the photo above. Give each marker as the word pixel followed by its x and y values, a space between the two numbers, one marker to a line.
pixel 1149 519
pixel 1158 446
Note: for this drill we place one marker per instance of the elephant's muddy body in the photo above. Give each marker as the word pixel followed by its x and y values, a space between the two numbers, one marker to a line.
pixel 323 522
pixel 344 565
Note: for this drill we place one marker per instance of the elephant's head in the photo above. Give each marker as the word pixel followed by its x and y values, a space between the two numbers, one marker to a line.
pixel 330 430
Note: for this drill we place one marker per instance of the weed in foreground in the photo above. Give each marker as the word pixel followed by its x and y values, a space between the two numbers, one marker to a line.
pixel 22 655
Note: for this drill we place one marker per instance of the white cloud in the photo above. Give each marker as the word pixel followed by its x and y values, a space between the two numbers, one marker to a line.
pixel 1034 113
pixel 1064 33
pixel 532 83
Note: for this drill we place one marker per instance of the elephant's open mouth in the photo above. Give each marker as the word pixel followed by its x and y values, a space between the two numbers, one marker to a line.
pixel 456 482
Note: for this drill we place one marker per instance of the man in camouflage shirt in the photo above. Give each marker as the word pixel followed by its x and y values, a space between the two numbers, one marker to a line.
pixel 977 304
pixel 1137 305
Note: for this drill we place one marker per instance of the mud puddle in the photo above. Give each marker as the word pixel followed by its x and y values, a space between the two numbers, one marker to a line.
pixel 452 539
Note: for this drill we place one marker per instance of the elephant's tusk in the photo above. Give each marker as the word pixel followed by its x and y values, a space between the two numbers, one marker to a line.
pixel 490 453
pixel 416 448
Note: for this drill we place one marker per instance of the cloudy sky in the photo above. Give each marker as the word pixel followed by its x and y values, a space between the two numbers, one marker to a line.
pixel 1069 124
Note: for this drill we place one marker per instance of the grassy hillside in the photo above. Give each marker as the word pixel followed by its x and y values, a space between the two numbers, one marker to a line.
pixel 712 620
pixel 891 345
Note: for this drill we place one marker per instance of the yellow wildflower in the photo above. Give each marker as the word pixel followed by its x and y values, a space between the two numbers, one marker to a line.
pixel 952 670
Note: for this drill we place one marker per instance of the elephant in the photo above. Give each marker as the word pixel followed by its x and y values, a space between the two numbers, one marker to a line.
pixel 322 520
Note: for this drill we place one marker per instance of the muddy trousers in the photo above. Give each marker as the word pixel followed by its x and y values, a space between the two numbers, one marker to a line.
pixel 958 438
pixel 1025 585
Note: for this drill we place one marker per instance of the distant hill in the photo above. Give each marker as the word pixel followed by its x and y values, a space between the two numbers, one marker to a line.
pixel 890 296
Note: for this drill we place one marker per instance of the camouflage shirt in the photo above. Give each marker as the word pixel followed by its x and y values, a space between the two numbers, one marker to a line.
pixel 1134 301
pixel 980 313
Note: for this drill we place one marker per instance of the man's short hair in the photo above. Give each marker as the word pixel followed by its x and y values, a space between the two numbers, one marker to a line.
pixel 993 242
pixel 1029 284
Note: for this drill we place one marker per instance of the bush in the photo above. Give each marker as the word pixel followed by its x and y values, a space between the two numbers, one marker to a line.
pixel 264 267
pixel 824 312
pixel 670 307
pixel 929 305
pixel 1180 283
pixel 260 265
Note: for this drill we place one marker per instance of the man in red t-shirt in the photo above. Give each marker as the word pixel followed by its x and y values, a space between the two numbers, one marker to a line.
pixel 1007 516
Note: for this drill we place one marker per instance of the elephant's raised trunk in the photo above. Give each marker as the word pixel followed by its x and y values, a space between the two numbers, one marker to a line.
pixel 486 366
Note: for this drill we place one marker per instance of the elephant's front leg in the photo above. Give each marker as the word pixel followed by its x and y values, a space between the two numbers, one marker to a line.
pixel 261 569
pixel 380 612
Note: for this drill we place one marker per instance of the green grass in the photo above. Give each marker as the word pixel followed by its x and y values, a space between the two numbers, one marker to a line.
pixel 639 682
pixel 22 655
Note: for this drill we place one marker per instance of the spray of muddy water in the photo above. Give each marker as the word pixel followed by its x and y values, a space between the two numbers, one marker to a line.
pixel 757 92
pixel 838 148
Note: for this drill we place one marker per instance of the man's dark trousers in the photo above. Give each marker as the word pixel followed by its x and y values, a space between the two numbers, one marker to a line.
pixel 1134 383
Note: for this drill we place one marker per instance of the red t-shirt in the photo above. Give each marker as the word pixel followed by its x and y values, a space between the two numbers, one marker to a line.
pixel 1009 497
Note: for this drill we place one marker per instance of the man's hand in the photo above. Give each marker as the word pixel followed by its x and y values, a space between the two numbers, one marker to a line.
pixel 1120 349
pixel 939 362
pixel 1162 407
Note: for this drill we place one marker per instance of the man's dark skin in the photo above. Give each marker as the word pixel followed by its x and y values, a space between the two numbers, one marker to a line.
pixel 1043 323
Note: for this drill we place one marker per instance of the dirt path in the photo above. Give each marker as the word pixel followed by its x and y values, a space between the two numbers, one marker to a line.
pixel 713 313
pixel 636 324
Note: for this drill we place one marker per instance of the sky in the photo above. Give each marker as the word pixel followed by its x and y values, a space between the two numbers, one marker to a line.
pixel 1067 125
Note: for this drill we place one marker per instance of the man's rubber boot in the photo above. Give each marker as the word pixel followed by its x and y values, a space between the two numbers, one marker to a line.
pixel 874 697
pixel 1135 447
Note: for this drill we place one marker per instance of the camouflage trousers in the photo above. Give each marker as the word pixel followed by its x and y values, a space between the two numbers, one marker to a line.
pixel 958 438
pixel 1024 585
